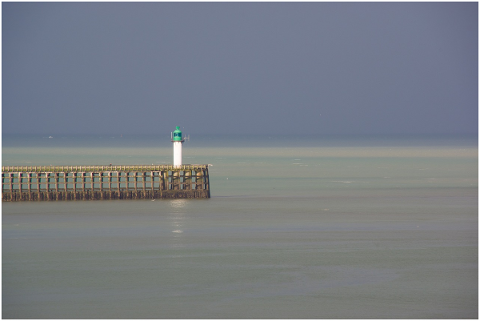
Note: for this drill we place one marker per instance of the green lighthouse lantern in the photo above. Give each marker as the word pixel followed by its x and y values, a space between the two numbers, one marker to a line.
pixel 177 135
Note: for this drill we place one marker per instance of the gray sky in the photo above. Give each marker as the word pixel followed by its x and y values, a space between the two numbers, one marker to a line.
pixel 314 68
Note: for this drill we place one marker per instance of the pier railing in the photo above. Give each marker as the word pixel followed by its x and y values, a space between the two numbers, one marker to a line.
pixel 100 168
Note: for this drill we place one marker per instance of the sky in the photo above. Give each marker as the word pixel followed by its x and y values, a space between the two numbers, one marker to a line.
pixel 315 68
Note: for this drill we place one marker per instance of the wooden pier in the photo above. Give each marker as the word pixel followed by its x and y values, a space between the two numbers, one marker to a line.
pixel 51 183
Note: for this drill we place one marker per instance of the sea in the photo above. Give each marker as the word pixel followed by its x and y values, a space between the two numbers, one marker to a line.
pixel 317 227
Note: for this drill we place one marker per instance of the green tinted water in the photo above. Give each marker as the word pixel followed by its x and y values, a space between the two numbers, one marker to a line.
pixel 290 232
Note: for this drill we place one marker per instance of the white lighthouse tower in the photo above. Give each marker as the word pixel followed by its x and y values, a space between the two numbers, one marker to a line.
pixel 177 141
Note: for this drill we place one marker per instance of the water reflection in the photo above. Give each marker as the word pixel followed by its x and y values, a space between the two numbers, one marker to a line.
pixel 178 203
pixel 177 219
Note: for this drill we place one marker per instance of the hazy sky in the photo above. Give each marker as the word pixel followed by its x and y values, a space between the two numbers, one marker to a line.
pixel 313 68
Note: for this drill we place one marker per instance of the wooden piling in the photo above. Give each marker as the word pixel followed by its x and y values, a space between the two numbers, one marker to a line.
pixel 37 183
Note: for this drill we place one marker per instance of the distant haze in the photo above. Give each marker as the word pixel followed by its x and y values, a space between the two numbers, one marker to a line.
pixel 278 68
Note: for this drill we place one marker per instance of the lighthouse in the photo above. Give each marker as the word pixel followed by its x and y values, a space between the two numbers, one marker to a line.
pixel 177 141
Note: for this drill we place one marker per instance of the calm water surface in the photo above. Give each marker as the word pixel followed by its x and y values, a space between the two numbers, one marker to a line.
pixel 335 229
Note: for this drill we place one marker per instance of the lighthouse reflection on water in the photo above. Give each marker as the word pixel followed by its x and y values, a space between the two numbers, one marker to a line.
pixel 177 217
